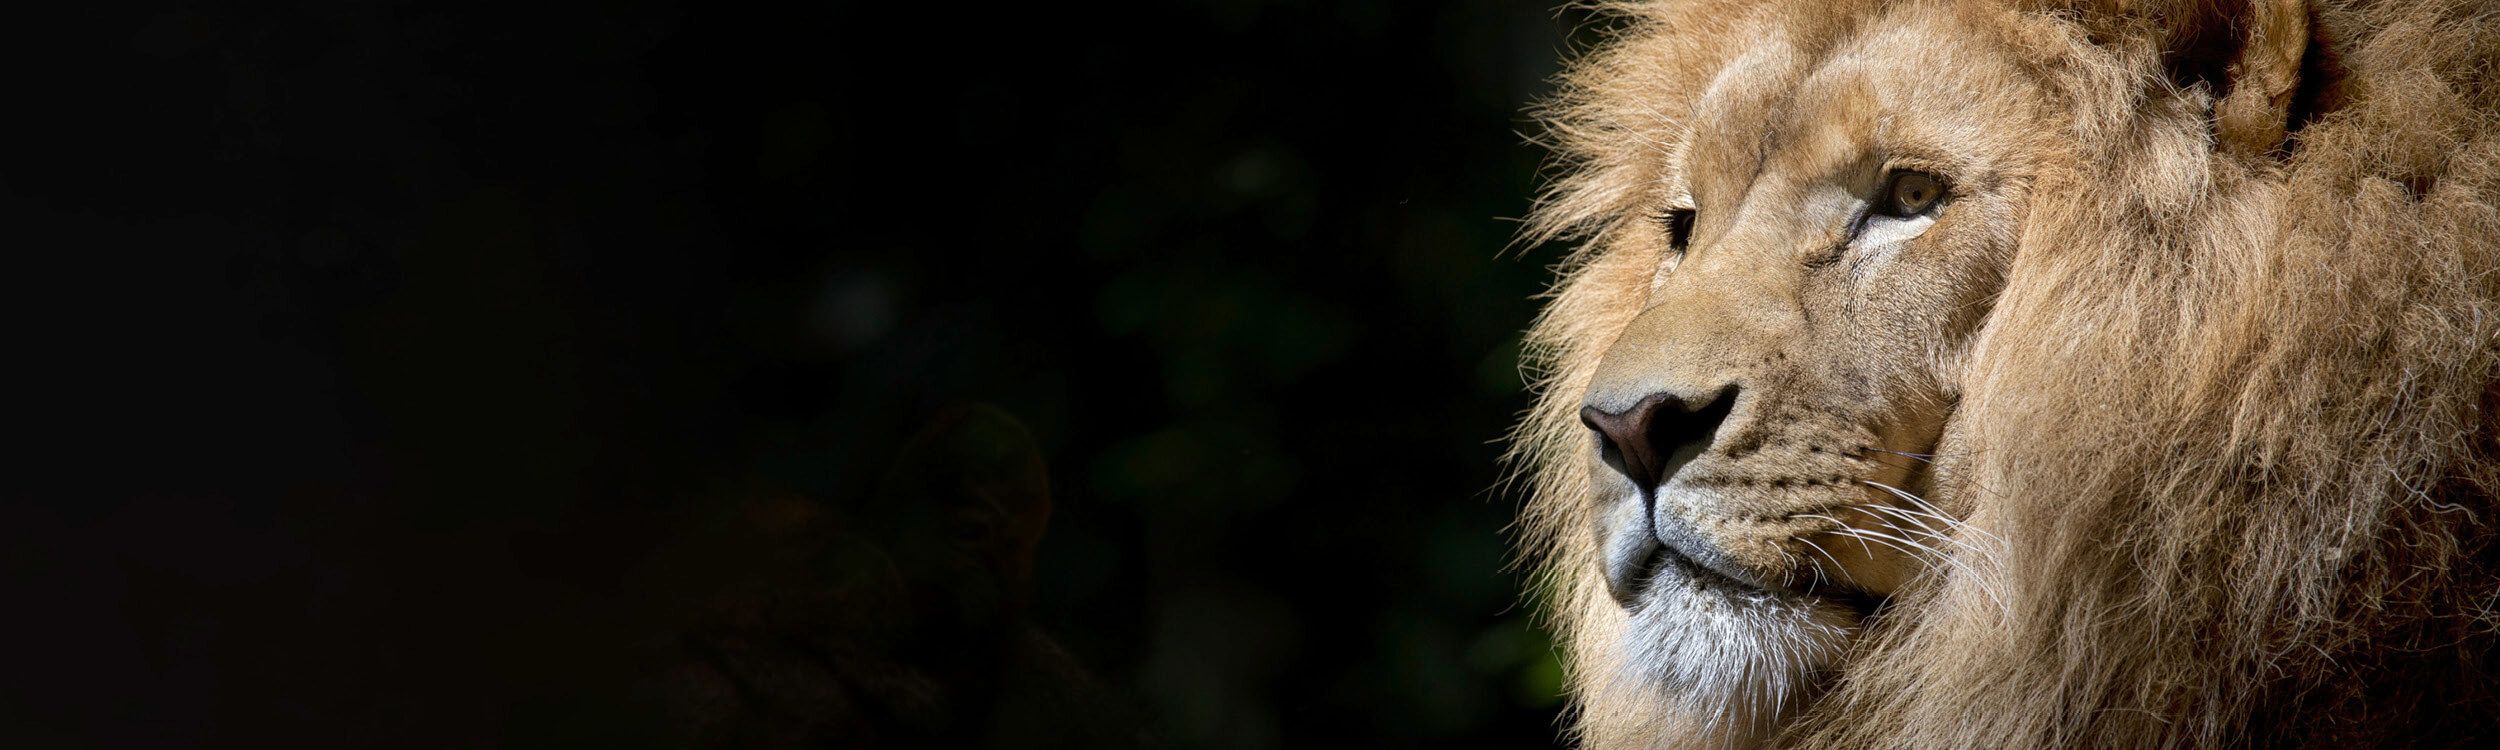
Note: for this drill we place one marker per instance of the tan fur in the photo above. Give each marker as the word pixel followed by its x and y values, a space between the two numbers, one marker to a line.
pixel 2221 449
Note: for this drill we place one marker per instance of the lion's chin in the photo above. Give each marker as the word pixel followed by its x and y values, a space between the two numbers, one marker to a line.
pixel 1727 662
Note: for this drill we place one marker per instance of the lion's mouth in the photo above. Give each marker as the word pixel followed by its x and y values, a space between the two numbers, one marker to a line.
pixel 1643 549
pixel 1671 547
pixel 1664 565
pixel 1664 561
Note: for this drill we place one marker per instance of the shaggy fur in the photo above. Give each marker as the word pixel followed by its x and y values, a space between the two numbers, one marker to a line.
pixel 2224 452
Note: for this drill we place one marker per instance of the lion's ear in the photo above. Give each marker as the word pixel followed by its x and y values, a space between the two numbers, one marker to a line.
pixel 2251 55
pixel 2262 80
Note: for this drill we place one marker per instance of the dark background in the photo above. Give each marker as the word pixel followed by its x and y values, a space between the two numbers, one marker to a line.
pixel 363 350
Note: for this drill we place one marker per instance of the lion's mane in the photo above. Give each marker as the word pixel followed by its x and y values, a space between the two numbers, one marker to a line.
pixel 2227 445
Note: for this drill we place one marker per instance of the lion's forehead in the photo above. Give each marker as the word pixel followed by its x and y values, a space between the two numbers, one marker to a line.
pixel 1789 106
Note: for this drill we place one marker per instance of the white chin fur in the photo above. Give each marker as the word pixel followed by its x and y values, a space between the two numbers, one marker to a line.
pixel 1703 665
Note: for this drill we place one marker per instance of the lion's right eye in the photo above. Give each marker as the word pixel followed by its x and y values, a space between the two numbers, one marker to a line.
pixel 1679 224
pixel 1910 193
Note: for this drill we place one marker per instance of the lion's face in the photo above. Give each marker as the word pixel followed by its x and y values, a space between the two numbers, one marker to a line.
pixel 1821 251
pixel 2028 374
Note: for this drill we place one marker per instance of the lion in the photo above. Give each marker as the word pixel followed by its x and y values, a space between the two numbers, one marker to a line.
pixel 2023 373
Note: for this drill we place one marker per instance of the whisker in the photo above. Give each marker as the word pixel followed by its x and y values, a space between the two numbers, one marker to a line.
pixel 1951 526
pixel 1941 527
pixel 1910 516
pixel 1984 584
pixel 1819 577
pixel 1905 546
pixel 1892 463
pixel 1926 530
pixel 1870 551
pixel 1932 510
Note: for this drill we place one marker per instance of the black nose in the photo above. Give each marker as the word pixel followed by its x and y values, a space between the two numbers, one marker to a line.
pixel 1649 441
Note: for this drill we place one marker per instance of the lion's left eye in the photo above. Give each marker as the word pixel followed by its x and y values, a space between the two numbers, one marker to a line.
pixel 1679 225
pixel 1909 193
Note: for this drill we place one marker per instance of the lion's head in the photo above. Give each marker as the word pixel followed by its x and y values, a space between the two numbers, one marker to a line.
pixel 2016 374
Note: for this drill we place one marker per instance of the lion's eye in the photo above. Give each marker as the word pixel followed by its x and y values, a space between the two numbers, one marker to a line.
pixel 1679 224
pixel 1910 194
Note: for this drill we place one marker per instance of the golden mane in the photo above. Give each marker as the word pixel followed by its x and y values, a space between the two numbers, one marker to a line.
pixel 2231 424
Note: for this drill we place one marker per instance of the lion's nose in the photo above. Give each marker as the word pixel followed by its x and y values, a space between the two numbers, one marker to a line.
pixel 1658 435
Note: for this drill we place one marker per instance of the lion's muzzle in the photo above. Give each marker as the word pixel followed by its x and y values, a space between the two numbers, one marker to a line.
pixel 1645 445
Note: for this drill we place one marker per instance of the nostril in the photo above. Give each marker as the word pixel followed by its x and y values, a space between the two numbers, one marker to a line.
pixel 1619 441
pixel 1659 434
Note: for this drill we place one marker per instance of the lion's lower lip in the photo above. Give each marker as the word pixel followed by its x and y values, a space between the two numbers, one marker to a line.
pixel 1666 557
